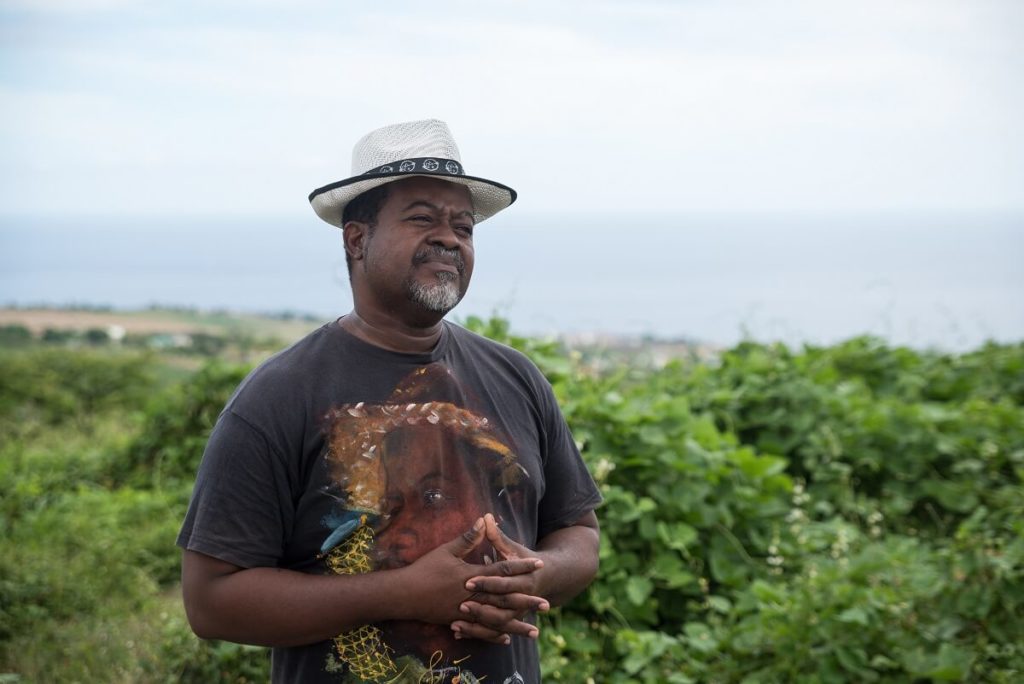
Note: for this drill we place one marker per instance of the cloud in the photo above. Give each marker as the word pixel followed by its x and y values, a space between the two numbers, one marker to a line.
pixel 66 6
pixel 706 104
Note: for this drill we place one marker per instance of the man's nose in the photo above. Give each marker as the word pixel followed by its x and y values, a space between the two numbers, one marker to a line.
pixel 444 234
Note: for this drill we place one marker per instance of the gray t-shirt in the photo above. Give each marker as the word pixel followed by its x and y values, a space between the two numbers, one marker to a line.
pixel 336 456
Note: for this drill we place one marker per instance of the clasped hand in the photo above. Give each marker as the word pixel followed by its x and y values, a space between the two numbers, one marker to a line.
pixel 500 601
pixel 492 599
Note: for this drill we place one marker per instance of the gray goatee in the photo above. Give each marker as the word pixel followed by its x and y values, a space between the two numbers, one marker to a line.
pixel 445 294
pixel 441 297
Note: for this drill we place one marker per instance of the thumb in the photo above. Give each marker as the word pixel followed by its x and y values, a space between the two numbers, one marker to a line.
pixel 467 541
pixel 502 544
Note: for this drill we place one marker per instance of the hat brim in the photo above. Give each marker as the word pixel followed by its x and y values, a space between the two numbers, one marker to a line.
pixel 489 197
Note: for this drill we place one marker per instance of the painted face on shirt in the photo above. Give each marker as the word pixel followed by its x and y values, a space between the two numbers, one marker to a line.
pixel 437 486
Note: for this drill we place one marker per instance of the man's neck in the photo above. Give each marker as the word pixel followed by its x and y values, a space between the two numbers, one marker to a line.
pixel 392 335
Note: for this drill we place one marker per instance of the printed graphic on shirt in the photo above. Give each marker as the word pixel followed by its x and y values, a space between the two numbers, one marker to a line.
pixel 409 475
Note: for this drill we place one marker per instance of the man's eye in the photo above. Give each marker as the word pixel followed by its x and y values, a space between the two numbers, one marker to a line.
pixel 465 230
pixel 433 497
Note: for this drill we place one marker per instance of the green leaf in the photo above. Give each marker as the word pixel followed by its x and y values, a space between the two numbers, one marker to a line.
pixel 768 593
pixel 668 568
pixel 677 535
pixel 950 664
pixel 855 661
pixel 854 615
pixel 652 435
pixel 956 496
pixel 757 467
pixel 700 637
pixel 613 398
pixel 727 564
pixel 638 589
pixel 719 604
pixel 953 664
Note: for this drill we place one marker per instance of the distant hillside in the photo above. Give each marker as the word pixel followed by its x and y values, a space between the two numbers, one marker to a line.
pixel 286 327
pixel 212 333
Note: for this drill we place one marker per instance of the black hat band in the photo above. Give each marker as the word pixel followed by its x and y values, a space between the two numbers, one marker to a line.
pixel 432 165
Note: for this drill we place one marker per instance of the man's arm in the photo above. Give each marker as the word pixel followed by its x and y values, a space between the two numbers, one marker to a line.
pixel 277 607
pixel 570 557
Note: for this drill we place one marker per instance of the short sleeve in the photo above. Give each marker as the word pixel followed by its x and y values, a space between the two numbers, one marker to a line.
pixel 570 491
pixel 241 509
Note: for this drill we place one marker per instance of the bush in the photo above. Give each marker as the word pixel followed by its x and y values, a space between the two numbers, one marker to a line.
pixel 187 660
pixel 47 387
pixel 831 519
pixel 850 513
pixel 175 429
pixel 13 335
pixel 88 548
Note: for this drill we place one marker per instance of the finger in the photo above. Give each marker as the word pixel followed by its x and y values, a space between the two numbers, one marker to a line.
pixel 519 584
pixel 497 619
pixel 468 540
pixel 489 616
pixel 499 541
pixel 518 602
pixel 508 569
pixel 472 630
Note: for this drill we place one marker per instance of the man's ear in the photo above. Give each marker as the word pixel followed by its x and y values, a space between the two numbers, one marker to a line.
pixel 355 234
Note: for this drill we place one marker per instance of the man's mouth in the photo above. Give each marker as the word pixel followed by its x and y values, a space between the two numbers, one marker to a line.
pixel 442 257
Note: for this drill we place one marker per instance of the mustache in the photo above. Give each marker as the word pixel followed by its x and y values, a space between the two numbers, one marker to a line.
pixel 438 253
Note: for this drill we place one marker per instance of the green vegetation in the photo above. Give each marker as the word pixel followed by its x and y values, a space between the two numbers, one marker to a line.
pixel 852 513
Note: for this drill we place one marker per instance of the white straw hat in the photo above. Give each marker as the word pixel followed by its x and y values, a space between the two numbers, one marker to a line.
pixel 414 148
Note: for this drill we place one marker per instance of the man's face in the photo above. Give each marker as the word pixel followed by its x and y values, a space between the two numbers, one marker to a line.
pixel 420 253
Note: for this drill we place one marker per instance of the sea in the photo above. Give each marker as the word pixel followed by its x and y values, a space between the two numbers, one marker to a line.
pixel 946 281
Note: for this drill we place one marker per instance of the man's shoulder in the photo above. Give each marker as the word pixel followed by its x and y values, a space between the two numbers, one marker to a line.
pixel 289 368
pixel 499 362
pixel 479 344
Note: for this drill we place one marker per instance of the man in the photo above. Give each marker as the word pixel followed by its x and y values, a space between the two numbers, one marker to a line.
pixel 392 498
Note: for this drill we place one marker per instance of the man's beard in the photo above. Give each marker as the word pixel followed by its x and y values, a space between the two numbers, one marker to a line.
pixel 440 297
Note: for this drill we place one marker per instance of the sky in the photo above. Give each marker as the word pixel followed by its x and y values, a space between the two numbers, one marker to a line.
pixel 788 169
pixel 241 108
